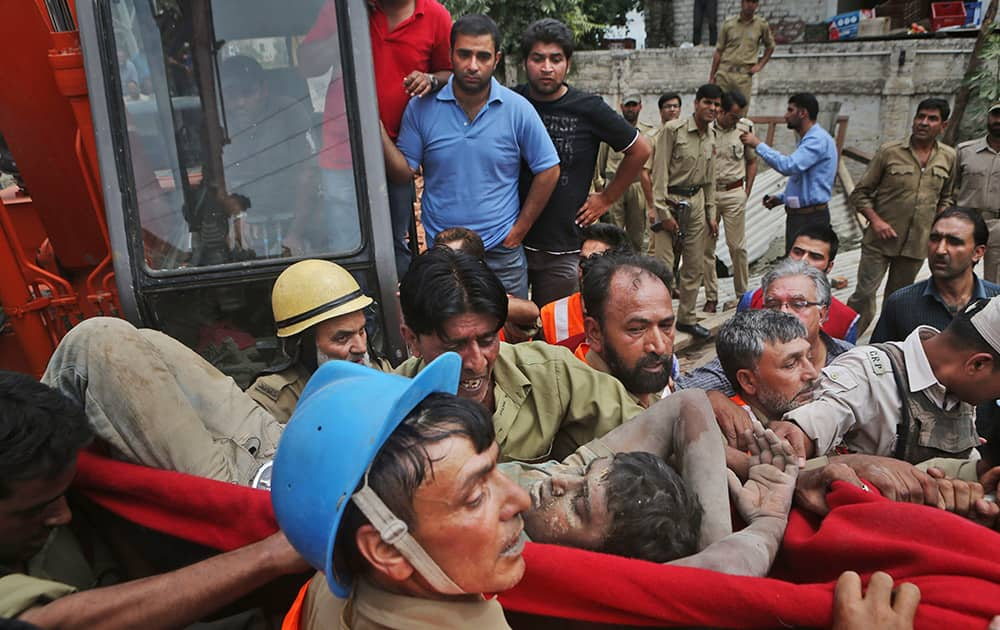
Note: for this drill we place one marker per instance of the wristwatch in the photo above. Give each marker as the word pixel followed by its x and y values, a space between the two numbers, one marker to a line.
pixel 435 83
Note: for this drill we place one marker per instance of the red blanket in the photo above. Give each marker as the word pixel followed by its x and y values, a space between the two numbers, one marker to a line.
pixel 955 563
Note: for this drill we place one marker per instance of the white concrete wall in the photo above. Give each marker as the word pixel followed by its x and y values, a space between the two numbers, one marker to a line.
pixel 877 83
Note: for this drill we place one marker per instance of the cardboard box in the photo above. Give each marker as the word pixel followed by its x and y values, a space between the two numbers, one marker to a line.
pixel 845 25
pixel 874 27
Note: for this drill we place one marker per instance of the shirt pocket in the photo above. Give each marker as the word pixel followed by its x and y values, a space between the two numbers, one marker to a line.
pixel 940 173
pixel 901 172
pixel 683 158
pixel 951 435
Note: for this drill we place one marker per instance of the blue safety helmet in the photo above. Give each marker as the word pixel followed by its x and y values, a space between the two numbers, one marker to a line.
pixel 344 416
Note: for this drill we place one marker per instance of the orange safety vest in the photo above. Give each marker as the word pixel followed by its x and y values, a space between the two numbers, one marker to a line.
pixel 562 321
pixel 293 618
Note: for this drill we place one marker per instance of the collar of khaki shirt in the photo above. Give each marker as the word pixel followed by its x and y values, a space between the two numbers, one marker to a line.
pixel 919 372
pixel 373 607
pixel 983 145
pixel 511 389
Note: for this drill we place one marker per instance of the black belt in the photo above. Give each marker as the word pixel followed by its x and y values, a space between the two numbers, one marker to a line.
pixel 820 207
pixel 730 186
pixel 684 191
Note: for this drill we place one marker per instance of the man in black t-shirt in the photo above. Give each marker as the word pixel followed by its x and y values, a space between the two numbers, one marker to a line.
pixel 577 122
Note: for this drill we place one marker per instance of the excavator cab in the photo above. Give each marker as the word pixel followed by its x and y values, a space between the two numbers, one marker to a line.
pixel 230 136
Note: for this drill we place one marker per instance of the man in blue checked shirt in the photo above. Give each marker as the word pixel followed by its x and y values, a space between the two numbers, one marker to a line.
pixel 811 168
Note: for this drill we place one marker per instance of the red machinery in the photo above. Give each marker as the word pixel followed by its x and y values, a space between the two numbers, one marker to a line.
pixel 157 189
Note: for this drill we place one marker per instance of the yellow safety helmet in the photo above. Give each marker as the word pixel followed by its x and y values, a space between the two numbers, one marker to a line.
pixel 312 291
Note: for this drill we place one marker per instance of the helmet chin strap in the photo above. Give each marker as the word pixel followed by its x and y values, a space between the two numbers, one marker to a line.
pixel 396 533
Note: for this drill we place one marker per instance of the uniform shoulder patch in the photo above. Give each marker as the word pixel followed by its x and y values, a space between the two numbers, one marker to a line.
pixel 879 361
pixel 268 390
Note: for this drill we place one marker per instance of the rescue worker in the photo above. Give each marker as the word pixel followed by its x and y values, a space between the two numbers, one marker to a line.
pixel 630 211
pixel 450 301
pixel 904 186
pixel 735 171
pixel 684 169
pixel 410 542
pixel 630 324
pixel 562 320
pixel 58 573
pixel 977 185
pixel 319 312
pixel 736 61
pixel 913 400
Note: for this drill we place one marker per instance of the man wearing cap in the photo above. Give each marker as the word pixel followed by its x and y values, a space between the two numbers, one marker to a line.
pixel 545 402
pixel 735 171
pixel 683 166
pixel 631 210
pixel 977 185
pixel 913 400
pixel 577 122
pixel 154 401
pixel 412 521
pixel 735 61
pixel 319 311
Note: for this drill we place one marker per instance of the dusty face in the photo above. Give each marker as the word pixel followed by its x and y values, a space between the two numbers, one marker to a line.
pixel 630 112
pixel 797 295
pixel 814 252
pixel 571 510
pixel 928 124
pixel 546 67
pixel 784 377
pixel 474 337
pixel 951 248
pixel 469 517
pixel 671 110
pixel 473 60
pixel 29 514
pixel 343 338
pixel 706 109
pixel 637 339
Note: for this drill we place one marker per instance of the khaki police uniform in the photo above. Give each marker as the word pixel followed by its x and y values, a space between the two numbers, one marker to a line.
pixel 907 196
pixel 731 160
pixel 977 185
pixel 739 46
pixel 548 403
pixel 372 608
pixel 279 392
pixel 629 211
pixel 858 404
pixel 684 169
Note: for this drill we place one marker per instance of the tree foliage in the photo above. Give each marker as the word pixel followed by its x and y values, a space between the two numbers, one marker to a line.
pixel 984 88
pixel 586 18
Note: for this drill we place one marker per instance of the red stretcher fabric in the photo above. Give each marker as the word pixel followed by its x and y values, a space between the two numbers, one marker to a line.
pixel 955 563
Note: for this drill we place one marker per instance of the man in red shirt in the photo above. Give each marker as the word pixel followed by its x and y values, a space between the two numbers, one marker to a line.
pixel 411 56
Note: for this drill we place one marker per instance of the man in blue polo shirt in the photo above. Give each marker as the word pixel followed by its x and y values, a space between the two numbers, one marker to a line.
pixel 471 138
pixel 811 168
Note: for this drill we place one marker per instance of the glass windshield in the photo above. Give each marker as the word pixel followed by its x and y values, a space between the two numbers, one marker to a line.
pixel 237 130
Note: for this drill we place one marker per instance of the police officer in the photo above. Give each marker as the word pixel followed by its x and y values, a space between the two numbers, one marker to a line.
pixel 905 185
pixel 319 311
pixel 735 171
pixel 684 170
pixel 977 185
pixel 630 211
pixel 735 60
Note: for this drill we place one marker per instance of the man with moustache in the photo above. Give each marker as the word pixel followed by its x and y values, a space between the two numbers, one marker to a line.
pixel 904 186
pixel 630 324
pixel 735 61
pixel 977 185
pixel 632 209
pixel 471 160
pixel 545 402
pixel 683 169
pixel 578 122
pixel 811 168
